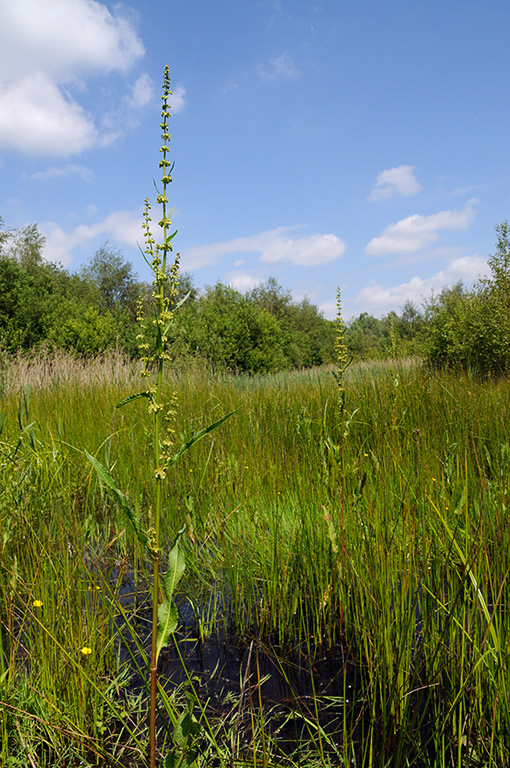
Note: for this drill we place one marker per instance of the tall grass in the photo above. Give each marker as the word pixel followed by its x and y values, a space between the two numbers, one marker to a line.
pixel 415 607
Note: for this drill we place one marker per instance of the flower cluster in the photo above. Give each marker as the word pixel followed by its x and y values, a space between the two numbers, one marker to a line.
pixel 342 360
pixel 154 338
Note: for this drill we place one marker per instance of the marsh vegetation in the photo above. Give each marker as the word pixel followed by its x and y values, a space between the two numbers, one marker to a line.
pixel 360 560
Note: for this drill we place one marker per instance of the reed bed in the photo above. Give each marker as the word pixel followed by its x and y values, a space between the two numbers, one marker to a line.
pixel 376 539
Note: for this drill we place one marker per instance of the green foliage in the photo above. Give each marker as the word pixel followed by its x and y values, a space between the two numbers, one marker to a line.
pixel 470 330
pixel 261 331
pixel 113 278
pixel 364 335
pixel 499 265
pixel 446 316
pixel 28 297
pixel 23 245
pixel 232 333
pixel 96 309
pixel 83 330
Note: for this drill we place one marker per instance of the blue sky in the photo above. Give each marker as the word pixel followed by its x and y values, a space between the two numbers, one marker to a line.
pixel 356 143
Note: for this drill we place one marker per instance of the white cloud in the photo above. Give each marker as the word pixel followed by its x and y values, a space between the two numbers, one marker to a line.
pixel 61 171
pixel 272 246
pixel 177 100
pixel 329 309
pixel 463 191
pixel 377 300
pixel 280 68
pixel 37 118
pixel 416 232
pixel 122 226
pixel 66 39
pixel 393 182
pixel 304 251
pixel 142 91
pixel 242 281
pixel 46 48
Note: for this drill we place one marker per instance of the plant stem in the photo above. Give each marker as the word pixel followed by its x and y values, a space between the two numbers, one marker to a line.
pixel 160 457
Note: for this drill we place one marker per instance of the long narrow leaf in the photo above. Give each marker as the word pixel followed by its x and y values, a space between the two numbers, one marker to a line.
pixel 478 592
pixel 168 618
pixel 174 309
pixel 130 398
pixel 199 435
pixel 106 479
pixel 176 568
pixel 167 611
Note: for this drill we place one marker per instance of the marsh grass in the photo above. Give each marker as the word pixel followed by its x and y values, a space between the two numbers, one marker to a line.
pixel 422 589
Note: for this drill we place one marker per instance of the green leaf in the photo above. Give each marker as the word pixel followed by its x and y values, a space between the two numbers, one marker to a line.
pixel 176 567
pixel 181 301
pixel 199 435
pixel 107 480
pixel 349 422
pixel 133 397
pixel 171 760
pixel 167 612
pixel 174 308
pixel 186 726
pixel 168 618
pixel 169 239
pixel 182 730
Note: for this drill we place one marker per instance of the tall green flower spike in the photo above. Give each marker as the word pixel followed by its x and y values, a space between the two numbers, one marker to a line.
pixel 341 354
pixel 153 343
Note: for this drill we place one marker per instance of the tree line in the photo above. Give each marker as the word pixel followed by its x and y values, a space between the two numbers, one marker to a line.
pixel 44 305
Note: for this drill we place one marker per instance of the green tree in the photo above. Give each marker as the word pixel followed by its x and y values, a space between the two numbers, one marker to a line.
pixel 4 235
pixel 471 329
pixel 114 279
pixel 24 245
pixel 233 333
pixel 83 330
pixel 364 336
pixel 499 265
pixel 306 338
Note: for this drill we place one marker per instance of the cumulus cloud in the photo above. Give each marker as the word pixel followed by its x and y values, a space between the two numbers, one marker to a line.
pixel 280 68
pixel 377 299
pixel 396 182
pixel 304 251
pixel 48 47
pixel 122 226
pixel 416 232
pixel 37 118
pixel 242 281
pixel 273 246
